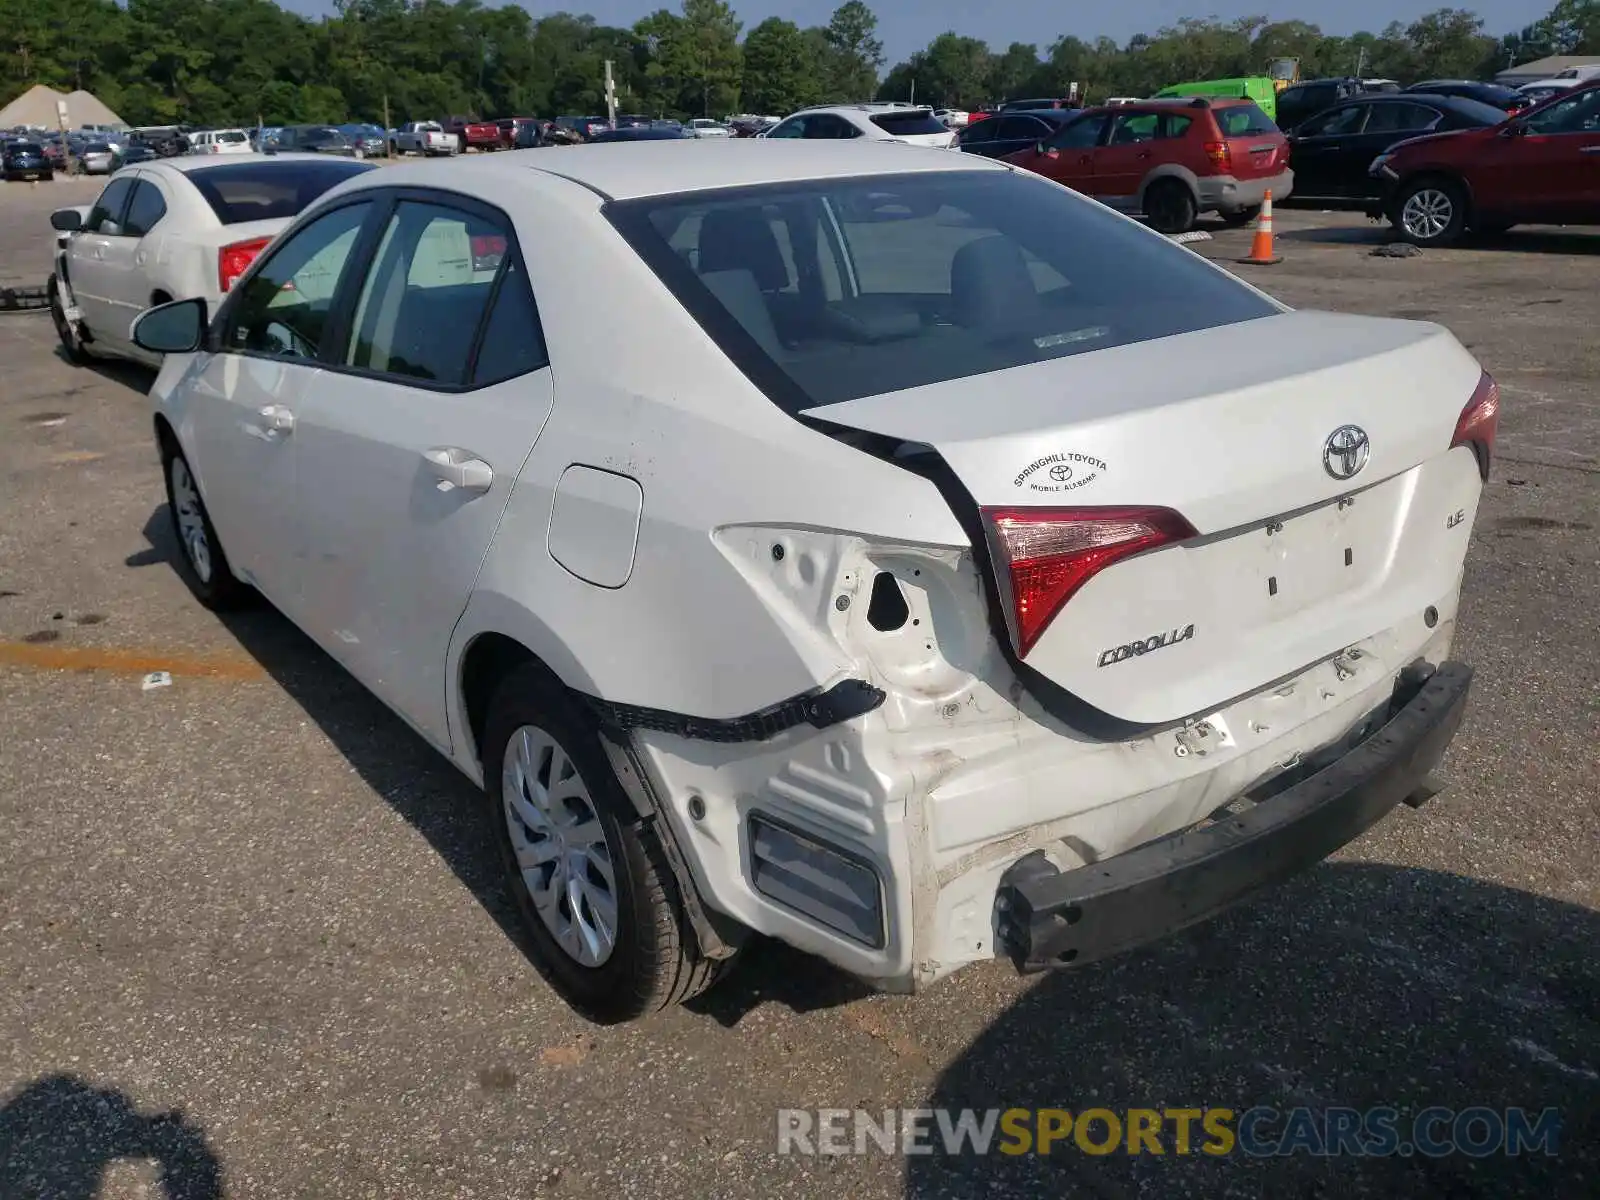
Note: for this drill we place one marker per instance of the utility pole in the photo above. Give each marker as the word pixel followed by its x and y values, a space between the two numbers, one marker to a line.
pixel 387 141
pixel 913 89
pixel 61 121
pixel 1361 62
pixel 611 96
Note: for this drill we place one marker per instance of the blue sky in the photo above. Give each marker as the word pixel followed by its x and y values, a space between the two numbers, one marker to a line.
pixel 907 25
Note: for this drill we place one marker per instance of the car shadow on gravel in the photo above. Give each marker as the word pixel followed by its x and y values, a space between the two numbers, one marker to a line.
pixel 1357 985
pixel 60 1134
pixel 133 376
pixel 1530 241
pixel 410 775
pixel 446 809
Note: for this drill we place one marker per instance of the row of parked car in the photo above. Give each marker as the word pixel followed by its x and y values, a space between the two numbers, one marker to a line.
pixel 1437 164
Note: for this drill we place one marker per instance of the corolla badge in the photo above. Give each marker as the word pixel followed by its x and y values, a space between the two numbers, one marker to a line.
pixel 1346 451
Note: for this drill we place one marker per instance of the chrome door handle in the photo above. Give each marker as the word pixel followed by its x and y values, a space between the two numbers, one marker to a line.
pixel 277 419
pixel 1589 149
pixel 457 468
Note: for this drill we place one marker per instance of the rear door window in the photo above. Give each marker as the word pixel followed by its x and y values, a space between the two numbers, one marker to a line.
pixel 145 210
pixel 831 127
pixel 513 343
pixel 1338 123
pixel 1400 118
pixel 979 131
pixel 1081 134
pixel 430 284
pixel 1129 129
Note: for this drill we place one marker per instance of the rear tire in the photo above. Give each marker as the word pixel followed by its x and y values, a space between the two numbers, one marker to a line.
pixel 204 564
pixel 592 882
pixel 1170 206
pixel 1430 212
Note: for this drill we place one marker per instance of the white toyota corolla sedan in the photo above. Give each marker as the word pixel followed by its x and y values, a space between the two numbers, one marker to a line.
pixel 171 229
pixel 942 566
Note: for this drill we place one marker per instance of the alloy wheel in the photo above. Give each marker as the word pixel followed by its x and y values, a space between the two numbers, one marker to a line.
pixel 1427 213
pixel 187 508
pixel 561 846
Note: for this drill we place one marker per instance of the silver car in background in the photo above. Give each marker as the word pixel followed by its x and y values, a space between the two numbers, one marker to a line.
pixel 98 158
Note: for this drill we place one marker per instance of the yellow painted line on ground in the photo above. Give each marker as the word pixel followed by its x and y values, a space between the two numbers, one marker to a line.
pixel 132 662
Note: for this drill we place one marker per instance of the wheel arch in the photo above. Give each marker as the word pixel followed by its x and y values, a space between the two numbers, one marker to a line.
pixel 166 435
pixel 490 656
pixel 1443 175
pixel 495 636
pixel 1173 171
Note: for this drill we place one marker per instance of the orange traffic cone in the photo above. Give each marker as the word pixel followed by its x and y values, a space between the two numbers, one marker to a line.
pixel 1261 254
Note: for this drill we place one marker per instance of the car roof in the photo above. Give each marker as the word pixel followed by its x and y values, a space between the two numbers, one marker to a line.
pixel 186 164
pixel 1044 114
pixel 658 168
pixel 873 107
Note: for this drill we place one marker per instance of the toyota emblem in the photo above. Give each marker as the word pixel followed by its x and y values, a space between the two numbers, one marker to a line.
pixel 1346 451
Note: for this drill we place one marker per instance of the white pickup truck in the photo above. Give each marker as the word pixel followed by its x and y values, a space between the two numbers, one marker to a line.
pixel 424 137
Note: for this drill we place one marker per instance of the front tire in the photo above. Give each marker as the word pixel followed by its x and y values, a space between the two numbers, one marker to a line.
pixel 1170 207
pixel 1430 212
pixel 204 565
pixel 589 876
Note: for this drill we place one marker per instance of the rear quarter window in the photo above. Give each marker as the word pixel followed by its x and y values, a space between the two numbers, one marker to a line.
pixel 1243 120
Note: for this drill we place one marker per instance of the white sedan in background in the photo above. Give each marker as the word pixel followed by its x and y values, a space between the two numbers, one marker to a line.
pixel 220 141
pixel 884 122
pixel 705 127
pixel 171 229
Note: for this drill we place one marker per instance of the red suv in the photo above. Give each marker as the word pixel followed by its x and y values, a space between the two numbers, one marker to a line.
pixel 1540 166
pixel 1170 159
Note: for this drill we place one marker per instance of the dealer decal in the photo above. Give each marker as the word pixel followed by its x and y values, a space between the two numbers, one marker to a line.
pixel 1063 472
pixel 1156 641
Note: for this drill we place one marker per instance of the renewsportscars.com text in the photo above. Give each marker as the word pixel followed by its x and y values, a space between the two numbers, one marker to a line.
pixel 1260 1131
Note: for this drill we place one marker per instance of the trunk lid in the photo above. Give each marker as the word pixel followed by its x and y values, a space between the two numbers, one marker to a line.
pixel 1229 428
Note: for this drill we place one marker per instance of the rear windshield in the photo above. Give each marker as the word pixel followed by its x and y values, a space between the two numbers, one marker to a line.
pixel 232 135
pixel 1243 120
pixel 830 290
pixel 907 124
pixel 265 191
pixel 97 148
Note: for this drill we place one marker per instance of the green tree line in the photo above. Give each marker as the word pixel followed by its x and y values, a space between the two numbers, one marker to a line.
pixel 210 62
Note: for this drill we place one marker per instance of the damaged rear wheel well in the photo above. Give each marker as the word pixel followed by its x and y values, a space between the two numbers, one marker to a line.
pixel 488 660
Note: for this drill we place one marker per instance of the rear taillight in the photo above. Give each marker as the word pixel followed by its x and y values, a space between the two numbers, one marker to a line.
pixel 1047 554
pixel 1479 421
pixel 233 261
pixel 1220 155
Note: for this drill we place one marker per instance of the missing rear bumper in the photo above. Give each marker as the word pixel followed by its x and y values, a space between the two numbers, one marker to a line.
pixel 1049 918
